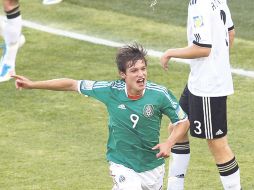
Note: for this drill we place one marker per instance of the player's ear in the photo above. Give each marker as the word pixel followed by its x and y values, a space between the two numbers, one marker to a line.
pixel 122 75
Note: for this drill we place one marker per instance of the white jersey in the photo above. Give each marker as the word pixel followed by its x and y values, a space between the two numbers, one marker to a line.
pixel 208 24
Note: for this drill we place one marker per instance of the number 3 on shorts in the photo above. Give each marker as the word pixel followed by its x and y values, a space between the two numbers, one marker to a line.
pixel 198 130
pixel 134 118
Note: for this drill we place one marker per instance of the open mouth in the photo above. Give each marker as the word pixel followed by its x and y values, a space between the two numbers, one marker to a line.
pixel 141 81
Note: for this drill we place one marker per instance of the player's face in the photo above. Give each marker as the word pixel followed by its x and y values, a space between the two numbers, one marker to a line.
pixel 135 78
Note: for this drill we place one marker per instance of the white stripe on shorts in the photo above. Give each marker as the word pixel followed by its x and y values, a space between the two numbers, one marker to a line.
pixel 207 118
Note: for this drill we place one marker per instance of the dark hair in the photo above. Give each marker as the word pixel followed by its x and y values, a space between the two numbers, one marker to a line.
pixel 128 55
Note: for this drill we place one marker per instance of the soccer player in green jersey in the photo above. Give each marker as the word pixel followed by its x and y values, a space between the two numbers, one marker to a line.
pixel 135 107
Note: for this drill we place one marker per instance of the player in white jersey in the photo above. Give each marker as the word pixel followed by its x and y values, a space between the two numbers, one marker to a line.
pixel 10 29
pixel 210 33
pixel 135 108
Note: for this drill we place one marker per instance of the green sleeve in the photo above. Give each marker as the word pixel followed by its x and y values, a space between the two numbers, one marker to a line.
pixel 171 108
pixel 99 90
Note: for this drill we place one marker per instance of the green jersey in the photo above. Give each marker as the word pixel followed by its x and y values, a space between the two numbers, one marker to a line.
pixel 134 125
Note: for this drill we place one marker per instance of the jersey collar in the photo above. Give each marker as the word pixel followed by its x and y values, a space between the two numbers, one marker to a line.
pixel 133 97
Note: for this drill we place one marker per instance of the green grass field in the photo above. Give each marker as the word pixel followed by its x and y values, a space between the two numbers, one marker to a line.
pixel 57 140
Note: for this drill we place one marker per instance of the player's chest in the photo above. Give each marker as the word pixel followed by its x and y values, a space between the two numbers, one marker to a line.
pixel 141 109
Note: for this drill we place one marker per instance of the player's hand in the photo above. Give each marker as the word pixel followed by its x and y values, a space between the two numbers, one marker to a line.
pixel 164 148
pixel 21 82
pixel 164 60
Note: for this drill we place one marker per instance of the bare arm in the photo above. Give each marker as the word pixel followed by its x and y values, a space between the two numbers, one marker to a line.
pixel 231 34
pixel 55 84
pixel 190 52
pixel 177 133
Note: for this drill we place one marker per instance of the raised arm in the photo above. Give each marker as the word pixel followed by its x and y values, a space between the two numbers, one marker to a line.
pixel 190 52
pixel 63 84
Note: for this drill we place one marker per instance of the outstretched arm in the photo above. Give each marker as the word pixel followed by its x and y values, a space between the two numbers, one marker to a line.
pixel 177 133
pixel 63 84
pixel 190 52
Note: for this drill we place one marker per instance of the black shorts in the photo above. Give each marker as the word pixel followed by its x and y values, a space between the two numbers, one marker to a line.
pixel 207 115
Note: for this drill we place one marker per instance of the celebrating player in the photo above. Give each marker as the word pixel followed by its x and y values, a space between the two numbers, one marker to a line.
pixel 135 107
pixel 10 29
pixel 210 35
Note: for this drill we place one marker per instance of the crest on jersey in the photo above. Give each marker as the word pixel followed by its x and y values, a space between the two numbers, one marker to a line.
pixel 198 21
pixel 121 179
pixel 87 85
pixel 148 110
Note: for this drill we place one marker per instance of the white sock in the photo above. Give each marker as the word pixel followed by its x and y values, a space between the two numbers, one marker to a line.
pixel 231 182
pixel 180 157
pixel 1 27
pixel 230 175
pixel 12 30
pixel 10 54
pixel 11 34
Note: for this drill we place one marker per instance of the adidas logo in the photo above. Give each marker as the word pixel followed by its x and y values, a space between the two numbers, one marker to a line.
pixel 122 106
pixel 180 176
pixel 219 132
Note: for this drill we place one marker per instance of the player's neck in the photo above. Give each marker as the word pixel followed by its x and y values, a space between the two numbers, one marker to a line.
pixel 135 97
pixel 133 94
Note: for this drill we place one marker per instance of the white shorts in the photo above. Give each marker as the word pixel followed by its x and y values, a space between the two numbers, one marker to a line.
pixel 127 179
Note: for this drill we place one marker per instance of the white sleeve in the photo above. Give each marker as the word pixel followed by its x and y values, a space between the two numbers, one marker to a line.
pixel 200 20
pixel 79 83
pixel 229 21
